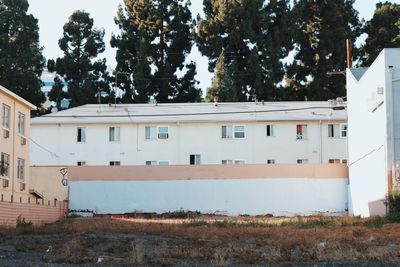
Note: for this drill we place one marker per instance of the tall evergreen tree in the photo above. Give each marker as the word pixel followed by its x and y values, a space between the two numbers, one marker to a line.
pixel 21 60
pixel 253 36
pixel 152 46
pixel 321 30
pixel 222 87
pixel 57 93
pixel 383 31
pixel 85 75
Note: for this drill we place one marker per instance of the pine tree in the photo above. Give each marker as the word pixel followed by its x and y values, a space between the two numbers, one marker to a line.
pixel 222 87
pixel 85 75
pixel 57 93
pixel 321 30
pixel 152 46
pixel 383 31
pixel 21 60
pixel 253 36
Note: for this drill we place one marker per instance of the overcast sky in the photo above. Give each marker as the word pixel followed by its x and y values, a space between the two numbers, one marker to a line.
pixel 52 14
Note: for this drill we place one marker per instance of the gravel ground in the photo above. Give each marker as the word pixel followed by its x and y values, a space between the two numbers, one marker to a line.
pixel 111 242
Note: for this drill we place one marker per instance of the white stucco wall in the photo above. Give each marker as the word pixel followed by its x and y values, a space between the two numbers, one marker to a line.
pixel 287 196
pixel 370 120
pixel 185 139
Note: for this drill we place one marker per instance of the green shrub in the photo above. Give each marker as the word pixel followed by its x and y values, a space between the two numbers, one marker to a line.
pixel 375 222
pixel 358 232
pixel 21 222
pixel 180 214
pixel 393 202
pixel 195 223
pixel 309 223
pixel 393 206
pixel 225 223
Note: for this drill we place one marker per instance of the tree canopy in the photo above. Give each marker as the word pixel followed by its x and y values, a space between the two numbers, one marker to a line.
pixel 266 50
pixel 383 31
pixel 21 59
pixel 320 32
pixel 85 75
pixel 152 48
pixel 252 37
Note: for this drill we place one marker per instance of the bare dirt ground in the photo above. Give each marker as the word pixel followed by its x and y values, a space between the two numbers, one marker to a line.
pixel 204 241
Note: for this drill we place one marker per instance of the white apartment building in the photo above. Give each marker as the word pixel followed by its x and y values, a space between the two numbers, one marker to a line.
pixel 191 133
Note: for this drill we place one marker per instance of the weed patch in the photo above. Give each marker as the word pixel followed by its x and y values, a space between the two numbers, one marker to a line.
pixel 375 222
pixel 358 232
pixel 301 223
pixel 21 222
pixel 225 223
pixel 195 223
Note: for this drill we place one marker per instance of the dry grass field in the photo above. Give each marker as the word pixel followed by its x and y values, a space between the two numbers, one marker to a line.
pixel 204 241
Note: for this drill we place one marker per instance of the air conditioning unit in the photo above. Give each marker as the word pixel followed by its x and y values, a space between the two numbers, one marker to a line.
pixel 22 186
pixel 6 183
pixel 23 141
pixel 162 135
pixel 6 133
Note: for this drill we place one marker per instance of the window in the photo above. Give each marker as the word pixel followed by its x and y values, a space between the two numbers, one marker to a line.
pixel 230 161
pixel 153 132
pixel 334 161
pixel 227 132
pixel 333 130
pixel 114 134
pixel 195 159
pixel 5 114
pixel 81 135
pixel 21 123
pixel 154 162
pixel 343 130
pixel 115 163
pixel 302 161
pixel 21 169
pixel 301 131
pixel 270 161
pixel 270 130
pixel 162 132
pixel 344 161
pixel 4 165
pixel 150 132
pixel 233 132
pixel 239 132
pixel 81 163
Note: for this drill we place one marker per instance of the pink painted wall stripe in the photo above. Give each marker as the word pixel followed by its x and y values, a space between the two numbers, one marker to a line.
pixel 188 172
pixel 37 214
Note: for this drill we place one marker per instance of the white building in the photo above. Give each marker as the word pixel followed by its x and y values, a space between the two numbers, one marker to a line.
pixel 373 95
pixel 191 133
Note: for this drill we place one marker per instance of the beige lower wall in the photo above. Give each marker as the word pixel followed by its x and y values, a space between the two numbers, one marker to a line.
pixel 47 181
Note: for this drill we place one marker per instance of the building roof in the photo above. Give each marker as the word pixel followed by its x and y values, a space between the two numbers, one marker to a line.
pixel 14 96
pixel 194 112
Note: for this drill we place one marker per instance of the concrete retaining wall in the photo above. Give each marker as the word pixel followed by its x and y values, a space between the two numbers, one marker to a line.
pixel 284 189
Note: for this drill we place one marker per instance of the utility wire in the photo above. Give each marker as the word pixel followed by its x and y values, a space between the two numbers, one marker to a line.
pixel 45 149
pixel 366 155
